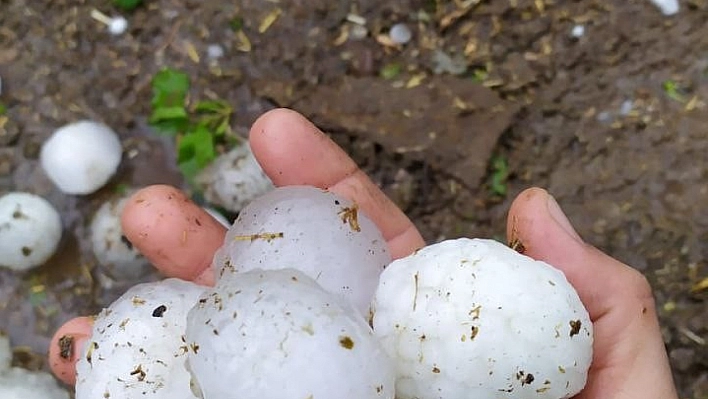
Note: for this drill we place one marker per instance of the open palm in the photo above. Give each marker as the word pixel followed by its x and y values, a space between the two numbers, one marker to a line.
pixel 629 357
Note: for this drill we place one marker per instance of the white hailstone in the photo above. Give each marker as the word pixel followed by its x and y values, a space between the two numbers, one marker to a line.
pixel 626 107
pixel 315 231
pixel 277 334
pixel 218 216
pixel 474 319
pixel 30 230
pixel 234 179
pixel 667 7
pixel 81 157
pixel 115 254
pixel 400 33
pixel 137 346
pixel 117 26
pixel 215 51
pixel 18 383
pixel 578 31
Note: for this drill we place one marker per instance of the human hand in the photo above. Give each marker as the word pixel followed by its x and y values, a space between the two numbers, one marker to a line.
pixel 630 360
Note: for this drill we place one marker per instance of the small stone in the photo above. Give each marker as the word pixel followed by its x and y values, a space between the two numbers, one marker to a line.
pixel 9 132
pixel 31 149
pixel 7 161
pixel 358 32
pixel 682 358
pixel 400 33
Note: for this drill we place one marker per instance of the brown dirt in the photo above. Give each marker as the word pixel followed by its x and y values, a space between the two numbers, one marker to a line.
pixel 587 118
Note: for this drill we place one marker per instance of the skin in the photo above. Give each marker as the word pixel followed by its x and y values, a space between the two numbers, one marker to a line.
pixel 630 360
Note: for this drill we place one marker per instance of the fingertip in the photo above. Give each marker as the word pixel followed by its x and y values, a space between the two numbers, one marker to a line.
pixel 293 151
pixel 176 235
pixel 66 347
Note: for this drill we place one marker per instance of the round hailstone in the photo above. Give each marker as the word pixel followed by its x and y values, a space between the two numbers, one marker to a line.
pixel 277 334
pixel 30 230
pixel 117 26
pixel 400 33
pixel 81 157
pixel 312 230
pixel 112 249
pixel 137 347
pixel 234 179
pixel 18 383
pixel 475 319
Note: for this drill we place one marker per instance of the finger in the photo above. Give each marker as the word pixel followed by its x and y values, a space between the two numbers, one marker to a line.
pixel 629 354
pixel 66 348
pixel 292 151
pixel 537 222
pixel 176 235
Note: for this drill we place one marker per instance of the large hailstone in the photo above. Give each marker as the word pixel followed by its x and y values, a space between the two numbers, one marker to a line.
pixel 30 230
pixel 315 231
pixel 475 319
pixel 234 179
pixel 81 157
pixel 18 383
pixel 137 347
pixel 112 249
pixel 277 334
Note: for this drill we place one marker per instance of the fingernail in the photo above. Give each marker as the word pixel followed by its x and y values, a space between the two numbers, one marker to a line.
pixel 557 214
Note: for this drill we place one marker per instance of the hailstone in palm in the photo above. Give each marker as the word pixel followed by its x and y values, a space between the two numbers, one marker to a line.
pixel 313 230
pixel 137 346
pixel 475 319
pixel 278 334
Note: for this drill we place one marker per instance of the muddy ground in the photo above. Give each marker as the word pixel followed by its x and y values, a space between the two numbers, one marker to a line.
pixel 614 123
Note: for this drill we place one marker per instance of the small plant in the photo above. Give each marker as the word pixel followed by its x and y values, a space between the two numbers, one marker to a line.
pixel 673 90
pixel 127 5
pixel 500 173
pixel 3 109
pixel 199 129
pixel 390 71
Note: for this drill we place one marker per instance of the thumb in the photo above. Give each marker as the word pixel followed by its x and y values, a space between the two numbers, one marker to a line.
pixel 629 355
pixel 537 223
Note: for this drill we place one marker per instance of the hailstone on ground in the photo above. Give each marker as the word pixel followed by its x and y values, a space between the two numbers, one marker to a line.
pixel 315 231
pixel 475 319
pixel 277 334
pixel 81 157
pixel 112 249
pixel 18 383
pixel 137 347
pixel 234 179
pixel 30 230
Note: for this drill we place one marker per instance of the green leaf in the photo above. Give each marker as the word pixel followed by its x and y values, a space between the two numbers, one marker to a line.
pixel 390 71
pixel 122 189
pixel 198 146
pixel 189 169
pixel 500 172
pixel 212 106
pixel 162 114
pixel 673 90
pixel 236 24
pixel 127 5
pixel 169 88
pixel 3 109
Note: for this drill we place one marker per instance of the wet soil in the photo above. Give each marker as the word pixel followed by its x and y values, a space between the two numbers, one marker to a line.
pixel 613 123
